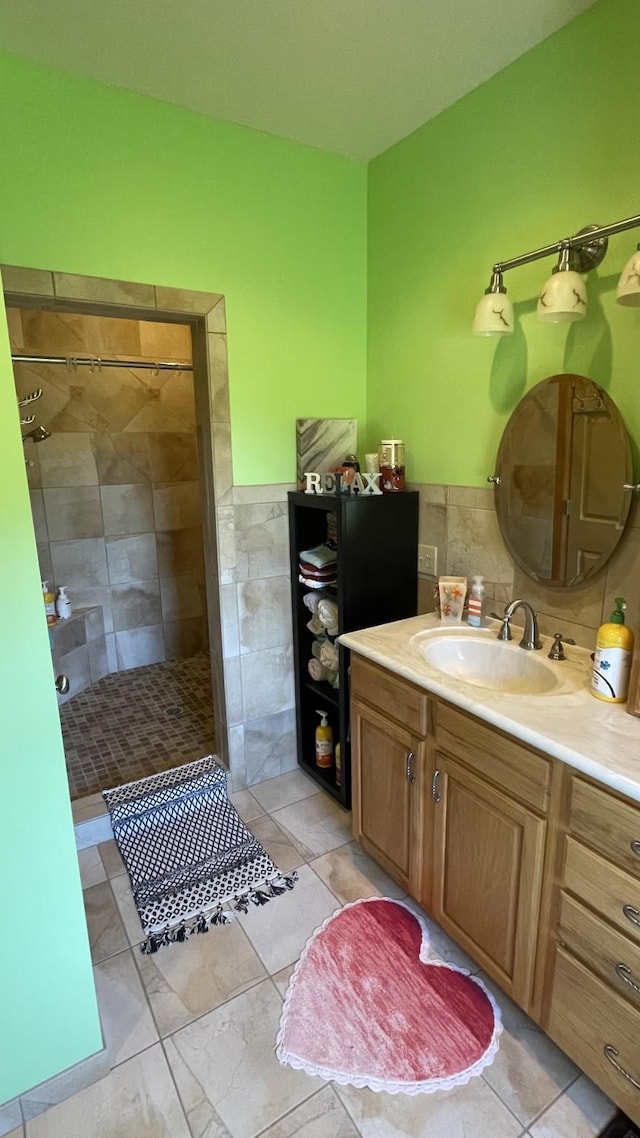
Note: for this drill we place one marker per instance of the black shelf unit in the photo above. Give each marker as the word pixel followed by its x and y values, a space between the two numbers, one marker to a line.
pixel 377 538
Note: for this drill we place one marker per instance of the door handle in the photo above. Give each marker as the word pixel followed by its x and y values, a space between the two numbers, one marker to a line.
pixel 410 775
pixel 435 793
pixel 62 684
pixel 635 848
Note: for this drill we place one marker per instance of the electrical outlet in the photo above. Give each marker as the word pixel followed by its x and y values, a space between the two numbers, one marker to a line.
pixel 428 560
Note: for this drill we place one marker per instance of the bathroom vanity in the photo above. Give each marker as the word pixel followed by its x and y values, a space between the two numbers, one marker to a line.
pixel 514 819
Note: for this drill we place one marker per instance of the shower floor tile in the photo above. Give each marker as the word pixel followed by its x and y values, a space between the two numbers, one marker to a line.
pixel 135 723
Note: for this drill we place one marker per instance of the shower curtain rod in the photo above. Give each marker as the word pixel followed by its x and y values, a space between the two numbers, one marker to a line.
pixel 96 363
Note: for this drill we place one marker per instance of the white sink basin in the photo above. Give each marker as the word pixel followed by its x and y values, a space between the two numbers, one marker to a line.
pixel 493 664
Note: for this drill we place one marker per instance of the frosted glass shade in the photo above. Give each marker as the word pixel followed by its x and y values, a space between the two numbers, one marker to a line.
pixel 493 316
pixel 628 292
pixel 563 298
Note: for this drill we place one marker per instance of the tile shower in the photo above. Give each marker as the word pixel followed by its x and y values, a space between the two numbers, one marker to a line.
pixel 115 496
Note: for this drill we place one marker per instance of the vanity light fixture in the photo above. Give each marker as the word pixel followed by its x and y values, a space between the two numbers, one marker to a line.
pixel 563 297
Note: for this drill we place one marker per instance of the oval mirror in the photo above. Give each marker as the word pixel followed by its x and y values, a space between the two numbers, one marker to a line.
pixel 563 461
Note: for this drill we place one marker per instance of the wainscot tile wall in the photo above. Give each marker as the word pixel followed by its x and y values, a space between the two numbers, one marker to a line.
pixel 461 521
pixel 114 490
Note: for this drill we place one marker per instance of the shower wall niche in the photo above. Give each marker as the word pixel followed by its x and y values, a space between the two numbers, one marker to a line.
pixel 114 489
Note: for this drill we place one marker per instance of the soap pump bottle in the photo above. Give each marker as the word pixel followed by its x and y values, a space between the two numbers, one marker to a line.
pixel 612 658
pixel 63 604
pixel 476 602
pixel 324 742
pixel 49 599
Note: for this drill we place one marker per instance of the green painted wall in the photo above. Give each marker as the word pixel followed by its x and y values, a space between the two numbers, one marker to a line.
pixel 539 151
pixel 49 1015
pixel 102 182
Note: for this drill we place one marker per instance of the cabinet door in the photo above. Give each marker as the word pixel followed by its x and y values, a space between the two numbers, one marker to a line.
pixel 488 860
pixel 388 776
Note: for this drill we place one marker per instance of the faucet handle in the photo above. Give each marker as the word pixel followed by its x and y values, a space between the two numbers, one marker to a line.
pixel 505 629
pixel 556 652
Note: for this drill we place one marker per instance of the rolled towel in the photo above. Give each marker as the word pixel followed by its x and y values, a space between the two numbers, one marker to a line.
pixel 316 647
pixel 317 671
pixel 314 626
pixel 334 679
pixel 328 615
pixel 312 600
pixel 329 656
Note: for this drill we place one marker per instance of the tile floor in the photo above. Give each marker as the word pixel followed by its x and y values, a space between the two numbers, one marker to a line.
pixel 134 723
pixel 191 1031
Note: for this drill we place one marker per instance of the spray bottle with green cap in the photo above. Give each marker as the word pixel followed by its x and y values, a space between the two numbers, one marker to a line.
pixel 612 659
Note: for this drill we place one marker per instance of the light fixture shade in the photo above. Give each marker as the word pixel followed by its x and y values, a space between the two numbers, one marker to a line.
pixel 493 316
pixel 628 291
pixel 563 298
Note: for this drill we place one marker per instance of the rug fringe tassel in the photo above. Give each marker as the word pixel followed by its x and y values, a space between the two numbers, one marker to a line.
pixel 219 916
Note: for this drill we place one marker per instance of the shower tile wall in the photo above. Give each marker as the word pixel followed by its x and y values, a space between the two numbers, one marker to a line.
pixel 114 490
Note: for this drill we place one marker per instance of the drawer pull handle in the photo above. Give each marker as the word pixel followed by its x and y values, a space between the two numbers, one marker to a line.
pixel 435 793
pixel 411 758
pixel 632 914
pixel 635 848
pixel 625 974
pixel 611 1054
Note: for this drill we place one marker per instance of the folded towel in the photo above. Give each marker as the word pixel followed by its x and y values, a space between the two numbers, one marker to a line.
pixel 320 556
pixel 317 671
pixel 327 612
pixel 311 584
pixel 329 656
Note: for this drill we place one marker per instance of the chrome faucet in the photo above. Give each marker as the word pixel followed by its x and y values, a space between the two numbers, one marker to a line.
pixel 530 638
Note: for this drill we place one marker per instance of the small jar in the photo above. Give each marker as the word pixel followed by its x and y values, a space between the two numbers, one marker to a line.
pixel 392 480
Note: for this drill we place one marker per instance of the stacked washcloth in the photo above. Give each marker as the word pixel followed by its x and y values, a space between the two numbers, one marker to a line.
pixel 318 566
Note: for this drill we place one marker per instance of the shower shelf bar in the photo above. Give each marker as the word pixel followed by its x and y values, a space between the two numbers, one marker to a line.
pixel 96 363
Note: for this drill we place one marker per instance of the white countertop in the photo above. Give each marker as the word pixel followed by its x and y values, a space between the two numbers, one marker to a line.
pixel 600 739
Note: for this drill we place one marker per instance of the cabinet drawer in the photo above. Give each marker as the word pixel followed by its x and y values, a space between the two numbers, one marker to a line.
pixel 585 1017
pixel 613 893
pixel 603 949
pixel 390 695
pixel 525 774
pixel 607 823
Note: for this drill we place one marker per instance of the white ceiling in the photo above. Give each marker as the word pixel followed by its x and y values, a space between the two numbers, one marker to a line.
pixel 351 76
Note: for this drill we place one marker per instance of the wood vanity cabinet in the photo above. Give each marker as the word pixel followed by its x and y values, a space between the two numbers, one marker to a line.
pixel 592 1002
pixel 389 723
pixel 489 826
pixel 533 868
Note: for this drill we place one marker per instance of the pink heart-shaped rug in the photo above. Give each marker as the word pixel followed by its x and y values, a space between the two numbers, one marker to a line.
pixel 367 1007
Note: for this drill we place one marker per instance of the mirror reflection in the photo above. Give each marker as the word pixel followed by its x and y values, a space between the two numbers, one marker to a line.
pixel 563 461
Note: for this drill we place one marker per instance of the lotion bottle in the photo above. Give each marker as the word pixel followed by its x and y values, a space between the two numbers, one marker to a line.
pixel 324 742
pixel 612 659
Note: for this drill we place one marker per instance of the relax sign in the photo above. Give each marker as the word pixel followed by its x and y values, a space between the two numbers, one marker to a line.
pixel 334 483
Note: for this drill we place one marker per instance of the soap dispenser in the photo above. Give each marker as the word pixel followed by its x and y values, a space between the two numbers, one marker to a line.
pixel 324 742
pixel 612 659
pixel 476 602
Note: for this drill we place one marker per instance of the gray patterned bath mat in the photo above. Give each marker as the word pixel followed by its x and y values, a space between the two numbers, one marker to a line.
pixel 188 853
